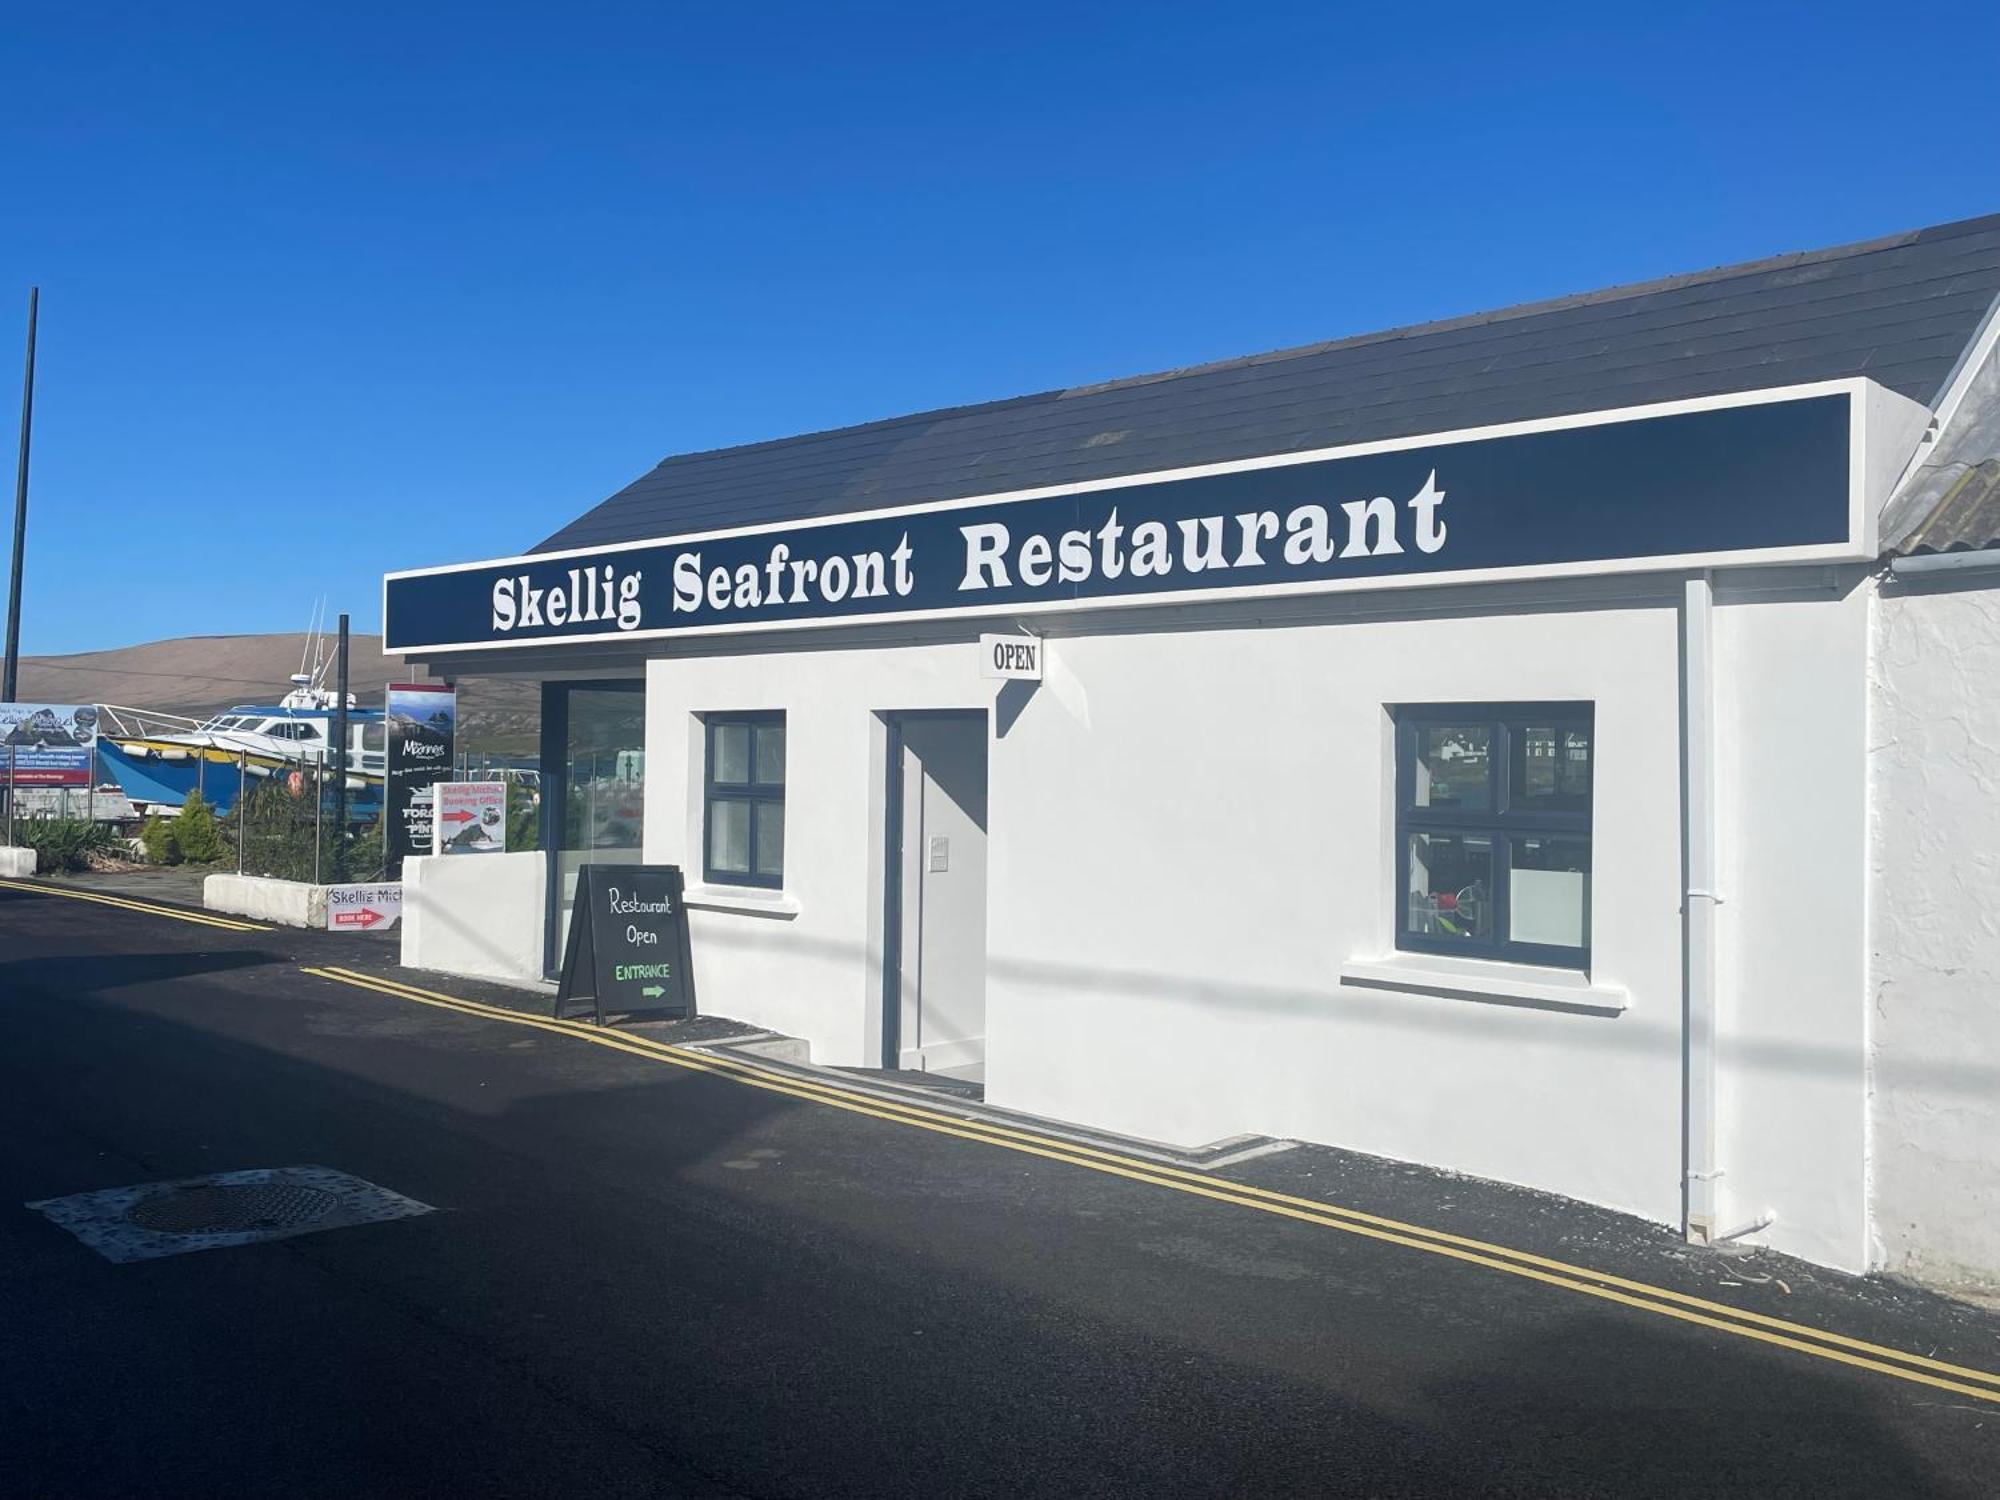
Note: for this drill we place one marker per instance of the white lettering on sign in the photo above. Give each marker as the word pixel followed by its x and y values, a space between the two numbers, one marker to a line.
pixel 593 595
pixel 1011 658
pixel 1149 549
pixel 784 579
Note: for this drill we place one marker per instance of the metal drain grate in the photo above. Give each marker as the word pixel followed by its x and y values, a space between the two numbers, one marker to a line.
pixel 252 1207
pixel 151 1219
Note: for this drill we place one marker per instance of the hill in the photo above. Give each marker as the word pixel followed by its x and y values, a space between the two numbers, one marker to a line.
pixel 203 674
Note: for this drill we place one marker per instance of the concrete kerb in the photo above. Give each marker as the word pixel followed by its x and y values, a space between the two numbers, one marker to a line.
pixel 289 903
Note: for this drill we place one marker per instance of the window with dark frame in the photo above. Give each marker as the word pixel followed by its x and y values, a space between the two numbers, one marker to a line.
pixel 743 821
pixel 1493 830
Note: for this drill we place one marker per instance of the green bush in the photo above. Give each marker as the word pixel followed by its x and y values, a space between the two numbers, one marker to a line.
pixel 195 832
pixel 158 838
pixel 64 844
pixel 524 818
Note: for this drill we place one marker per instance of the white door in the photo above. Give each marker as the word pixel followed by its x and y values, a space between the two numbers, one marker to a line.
pixel 941 1027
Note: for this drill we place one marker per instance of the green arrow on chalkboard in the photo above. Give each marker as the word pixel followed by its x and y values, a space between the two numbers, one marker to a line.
pixel 652 992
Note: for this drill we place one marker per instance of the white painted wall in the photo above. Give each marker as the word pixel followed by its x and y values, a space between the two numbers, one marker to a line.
pixel 1791 932
pixel 290 903
pixel 1935 929
pixel 809 963
pixel 1190 839
pixel 479 914
pixel 17 864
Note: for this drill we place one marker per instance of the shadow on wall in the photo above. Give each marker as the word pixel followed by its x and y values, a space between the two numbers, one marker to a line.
pixel 1623 1033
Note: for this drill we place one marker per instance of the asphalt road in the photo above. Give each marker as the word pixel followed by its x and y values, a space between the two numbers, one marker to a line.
pixel 648 1280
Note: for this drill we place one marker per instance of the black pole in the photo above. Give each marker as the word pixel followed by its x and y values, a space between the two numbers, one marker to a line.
pixel 10 679
pixel 340 758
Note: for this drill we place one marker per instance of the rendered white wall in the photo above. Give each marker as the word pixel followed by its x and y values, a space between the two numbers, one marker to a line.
pixel 17 863
pixel 811 966
pixel 290 903
pixel 478 914
pixel 1192 840
pixel 1935 758
pixel 1791 783
pixel 1191 836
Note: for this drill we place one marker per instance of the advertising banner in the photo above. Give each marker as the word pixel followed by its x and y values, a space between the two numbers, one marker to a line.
pixel 48 744
pixel 362 908
pixel 470 817
pixel 423 724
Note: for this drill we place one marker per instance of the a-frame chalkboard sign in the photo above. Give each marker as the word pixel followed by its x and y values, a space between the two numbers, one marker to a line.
pixel 628 942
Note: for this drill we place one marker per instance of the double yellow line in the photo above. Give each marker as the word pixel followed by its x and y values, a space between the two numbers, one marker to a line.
pixel 1662 1301
pixel 125 903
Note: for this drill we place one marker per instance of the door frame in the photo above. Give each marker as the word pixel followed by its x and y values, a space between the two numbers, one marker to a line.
pixel 554 811
pixel 892 862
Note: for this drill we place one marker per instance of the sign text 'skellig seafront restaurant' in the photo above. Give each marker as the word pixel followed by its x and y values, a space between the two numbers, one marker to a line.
pixel 1362 743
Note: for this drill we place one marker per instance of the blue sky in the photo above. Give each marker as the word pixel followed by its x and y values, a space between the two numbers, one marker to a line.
pixel 329 290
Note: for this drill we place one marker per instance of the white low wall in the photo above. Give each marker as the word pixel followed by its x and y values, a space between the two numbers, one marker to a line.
pixel 289 903
pixel 16 863
pixel 478 914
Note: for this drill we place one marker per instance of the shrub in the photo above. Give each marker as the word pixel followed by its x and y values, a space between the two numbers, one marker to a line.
pixel 195 833
pixel 524 818
pixel 64 844
pixel 158 837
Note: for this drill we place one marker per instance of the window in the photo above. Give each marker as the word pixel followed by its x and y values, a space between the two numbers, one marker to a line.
pixel 1493 830
pixel 743 826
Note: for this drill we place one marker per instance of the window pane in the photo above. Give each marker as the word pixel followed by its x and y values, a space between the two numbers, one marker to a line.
pixel 732 754
pixel 771 839
pixel 1548 892
pixel 729 836
pixel 1454 767
pixel 1552 765
pixel 771 754
pixel 1451 886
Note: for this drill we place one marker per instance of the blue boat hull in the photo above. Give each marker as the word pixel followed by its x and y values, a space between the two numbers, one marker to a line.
pixel 145 774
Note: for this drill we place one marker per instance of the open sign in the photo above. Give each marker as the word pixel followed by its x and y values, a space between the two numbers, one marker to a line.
pixel 1011 658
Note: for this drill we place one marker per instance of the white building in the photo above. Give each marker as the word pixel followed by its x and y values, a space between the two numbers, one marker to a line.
pixel 1492 744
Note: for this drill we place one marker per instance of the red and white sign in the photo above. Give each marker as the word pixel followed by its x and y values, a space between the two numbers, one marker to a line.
pixel 470 817
pixel 362 908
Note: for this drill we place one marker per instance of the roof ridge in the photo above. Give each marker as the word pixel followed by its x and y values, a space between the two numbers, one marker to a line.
pixel 1619 292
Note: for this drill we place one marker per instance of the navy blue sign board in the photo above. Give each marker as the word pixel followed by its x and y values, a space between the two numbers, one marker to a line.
pixel 628 942
pixel 1769 477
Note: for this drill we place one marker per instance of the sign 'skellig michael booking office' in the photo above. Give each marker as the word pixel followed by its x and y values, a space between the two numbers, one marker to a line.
pixel 1453 744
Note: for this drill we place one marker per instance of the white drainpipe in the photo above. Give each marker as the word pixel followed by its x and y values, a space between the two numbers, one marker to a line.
pixel 1698 1212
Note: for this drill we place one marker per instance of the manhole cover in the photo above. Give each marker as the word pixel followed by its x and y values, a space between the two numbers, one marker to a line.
pixel 232 1209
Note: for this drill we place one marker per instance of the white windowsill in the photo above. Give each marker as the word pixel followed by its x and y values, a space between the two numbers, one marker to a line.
pixel 1483 979
pixel 752 900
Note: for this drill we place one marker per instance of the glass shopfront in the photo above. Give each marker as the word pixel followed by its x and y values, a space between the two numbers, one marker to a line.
pixel 593 787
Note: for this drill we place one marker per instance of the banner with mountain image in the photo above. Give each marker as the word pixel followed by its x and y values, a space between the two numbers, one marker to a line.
pixel 48 744
pixel 423 727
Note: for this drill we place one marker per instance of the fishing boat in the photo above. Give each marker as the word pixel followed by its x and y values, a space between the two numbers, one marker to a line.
pixel 157 759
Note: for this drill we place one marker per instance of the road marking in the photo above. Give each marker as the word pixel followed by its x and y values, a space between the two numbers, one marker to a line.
pixel 124 903
pixel 1663 1301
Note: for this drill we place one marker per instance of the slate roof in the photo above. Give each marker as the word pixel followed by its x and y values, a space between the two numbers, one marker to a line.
pixel 1900 310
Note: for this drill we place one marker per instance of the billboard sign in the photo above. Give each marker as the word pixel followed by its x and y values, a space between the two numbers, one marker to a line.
pixel 49 744
pixel 470 817
pixel 423 728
